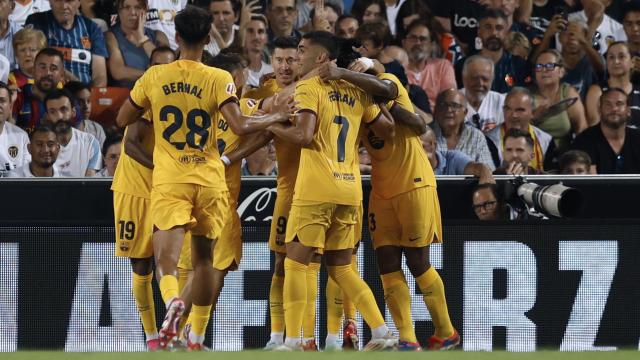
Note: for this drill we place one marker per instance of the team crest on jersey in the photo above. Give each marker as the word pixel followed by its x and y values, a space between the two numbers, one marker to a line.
pixel 13 151
pixel 231 88
pixel 86 42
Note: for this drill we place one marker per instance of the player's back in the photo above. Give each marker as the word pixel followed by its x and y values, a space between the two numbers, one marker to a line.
pixel 329 169
pixel 400 164
pixel 131 177
pixel 185 97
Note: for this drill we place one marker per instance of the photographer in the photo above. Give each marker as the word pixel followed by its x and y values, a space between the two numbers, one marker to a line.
pixel 488 203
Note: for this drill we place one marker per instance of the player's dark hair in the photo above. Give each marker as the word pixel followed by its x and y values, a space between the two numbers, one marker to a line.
pixel 193 24
pixel 75 87
pixel 50 52
pixel 346 53
pixel 111 140
pixel 227 62
pixel 41 129
pixel 517 133
pixel 56 94
pixel 3 85
pixel 285 42
pixel 324 39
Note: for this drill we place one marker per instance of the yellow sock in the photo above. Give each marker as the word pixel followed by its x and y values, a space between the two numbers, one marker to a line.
pixel 347 304
pixel 359 292
pixel 143 293
pixel 309 320
pixel 396 294
pixel 168 288
pixel 295 296
pixel 334 307
pixel 432 290
pixel 276 311
pixel 199 319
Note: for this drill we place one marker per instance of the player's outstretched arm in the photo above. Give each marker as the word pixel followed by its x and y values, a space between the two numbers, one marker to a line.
pixel 136 133
pixel 128 114
pixel 369 83
pixel 409 119
pixel 243 125
pixel 301 132
pixel 248 145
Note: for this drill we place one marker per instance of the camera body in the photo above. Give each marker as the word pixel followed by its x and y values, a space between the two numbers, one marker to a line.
pixel 555 200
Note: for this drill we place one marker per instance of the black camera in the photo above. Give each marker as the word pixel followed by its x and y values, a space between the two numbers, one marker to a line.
pixel 555 200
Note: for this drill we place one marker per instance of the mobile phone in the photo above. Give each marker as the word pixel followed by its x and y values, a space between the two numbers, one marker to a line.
pixel 562 11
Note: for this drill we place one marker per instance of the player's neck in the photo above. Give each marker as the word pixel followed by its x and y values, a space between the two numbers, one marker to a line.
pixel 193 54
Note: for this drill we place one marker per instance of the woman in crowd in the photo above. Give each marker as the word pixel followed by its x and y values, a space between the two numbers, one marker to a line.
pixel 110 155
pixel 130 44
pixel 369 11
pixel 549 69
pixel 619 67
pixel 26 45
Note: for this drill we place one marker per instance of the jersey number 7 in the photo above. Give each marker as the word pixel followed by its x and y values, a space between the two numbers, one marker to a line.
pixel 342 136
pixel 192 125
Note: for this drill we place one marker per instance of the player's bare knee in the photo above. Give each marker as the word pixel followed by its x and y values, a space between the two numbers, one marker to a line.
pixel 417 260
pixel 338 257
pixel 143 266
pixel 299 253
pixel 201 251
pixel 389 259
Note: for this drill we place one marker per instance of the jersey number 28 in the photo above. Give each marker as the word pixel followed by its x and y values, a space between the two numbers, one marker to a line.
pixel 202 129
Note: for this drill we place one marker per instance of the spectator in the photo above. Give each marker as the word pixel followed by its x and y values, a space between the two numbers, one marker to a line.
pixel 78 38
pixel 282 16
pixel 460 17
pixel 130 44
pixel 305 8
pixel 517 44
pixel 367 11
pixel 162 55
pixel 583 64
pixel 452 162
pixel 29 107
pixel 484 107
pixel 224 29
pixel 509 70
pixel 262 162
pixel 254 50
pixel 365 161
pixel 575 162
pixel 613 147
pixel 487 205
pixel 347 26
pixel 543 13
pixel 82 94
pixel 549 69
pixel 517 154
pixel 518 115
pixel 8 29
pixel 79 151
pixel 603 30
pixel 44 148
pixel 509 9
pixel 433 75
pixel 325 19
pixel 87 8
pixel 13 140
pixel 161 15
pixel 619 67
pixel 26 45
pixel 110 156
pixel 453 134
pixel 24 8
pixel 631 26
pixel 5 69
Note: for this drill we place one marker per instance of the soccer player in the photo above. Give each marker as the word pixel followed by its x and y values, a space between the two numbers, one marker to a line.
pixel 189 192
pixel 131 199
pixel 327 193
pixel 404 213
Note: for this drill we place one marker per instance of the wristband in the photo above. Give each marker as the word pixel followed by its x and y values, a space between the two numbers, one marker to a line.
pixel 368 63
pixel 225 160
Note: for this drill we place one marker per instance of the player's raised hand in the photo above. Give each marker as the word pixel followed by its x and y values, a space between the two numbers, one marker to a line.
pixel 329 71
pixel 285 106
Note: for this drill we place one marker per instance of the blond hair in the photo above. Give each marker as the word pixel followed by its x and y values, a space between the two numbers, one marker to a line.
pixel 25 36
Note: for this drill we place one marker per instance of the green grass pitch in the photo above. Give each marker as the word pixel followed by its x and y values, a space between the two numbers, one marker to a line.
pixel 263 355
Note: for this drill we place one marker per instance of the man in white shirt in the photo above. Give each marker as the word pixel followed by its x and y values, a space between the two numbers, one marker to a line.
pixel 24 8
pixel 254 46
pixel 13 140
pixel 79 151
pixel 44 149
pixel 484 107
pixel 224 29
pixel 607 30
pixel 161 15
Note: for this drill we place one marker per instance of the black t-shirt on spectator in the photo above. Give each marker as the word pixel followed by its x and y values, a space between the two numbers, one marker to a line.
pixel 581 77
pixel 464 17
pixel 593 142
pixel 541 15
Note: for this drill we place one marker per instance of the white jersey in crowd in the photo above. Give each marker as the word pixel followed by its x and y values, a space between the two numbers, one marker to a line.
pixel 21 12
pixel 161 15
pixel 13 148
pixel 96 130
pixel 490 113
pixel 253 78
pixel 609 30
pixel 24 171
pixel 81 153
pixel 214 49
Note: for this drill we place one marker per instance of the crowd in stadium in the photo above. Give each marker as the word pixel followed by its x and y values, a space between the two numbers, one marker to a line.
pixel 531 74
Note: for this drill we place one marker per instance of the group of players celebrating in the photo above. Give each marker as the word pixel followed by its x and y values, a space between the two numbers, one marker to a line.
pixel 177 185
